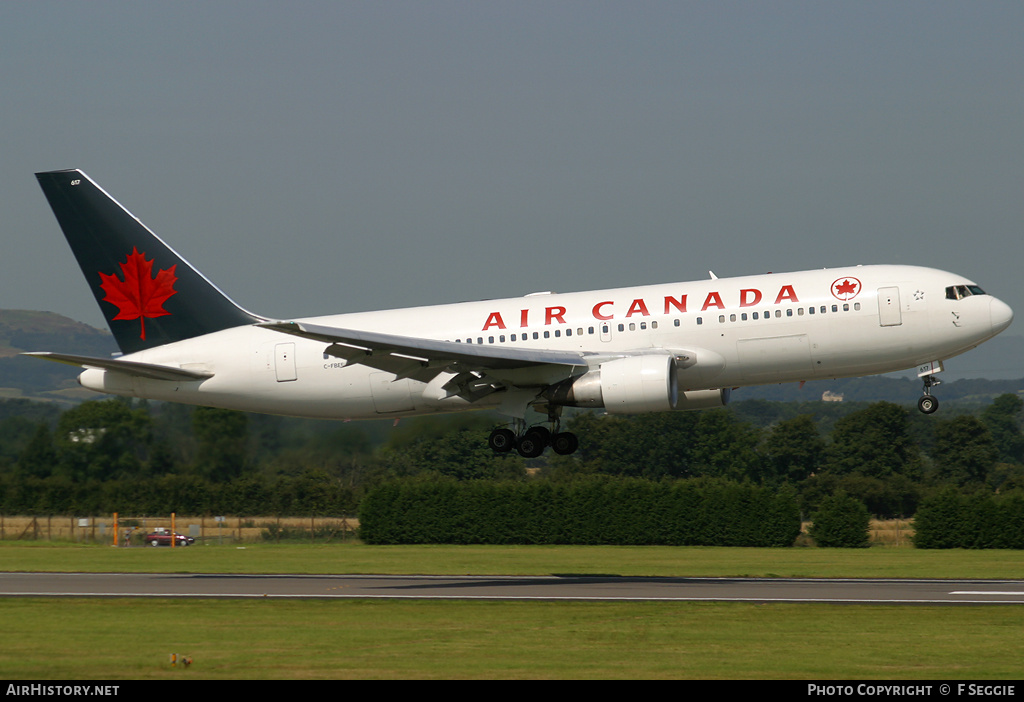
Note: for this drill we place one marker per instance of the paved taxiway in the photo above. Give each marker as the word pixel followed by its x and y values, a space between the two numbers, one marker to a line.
pixel 567 587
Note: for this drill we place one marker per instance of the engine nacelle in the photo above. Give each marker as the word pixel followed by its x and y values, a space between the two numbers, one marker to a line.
pixel 630 385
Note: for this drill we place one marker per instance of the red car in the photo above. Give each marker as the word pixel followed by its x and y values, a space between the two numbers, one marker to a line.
pixel 163 538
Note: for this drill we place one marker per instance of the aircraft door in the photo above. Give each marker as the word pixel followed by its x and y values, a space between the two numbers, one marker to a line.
pixel 284 362
pixel 889 307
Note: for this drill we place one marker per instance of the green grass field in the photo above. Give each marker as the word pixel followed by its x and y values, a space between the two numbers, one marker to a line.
pixel 111 639
pixel 877 562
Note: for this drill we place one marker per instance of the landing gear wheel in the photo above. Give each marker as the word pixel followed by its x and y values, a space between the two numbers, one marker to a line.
pixel 565 443
pixel 502 440
pixel 927 404
pixel 531 444
pixel 543 434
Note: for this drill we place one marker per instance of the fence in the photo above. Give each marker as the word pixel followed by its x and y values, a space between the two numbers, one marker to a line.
pixel 204 529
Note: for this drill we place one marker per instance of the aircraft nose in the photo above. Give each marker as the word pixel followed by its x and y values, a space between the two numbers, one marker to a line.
pixel 1001 315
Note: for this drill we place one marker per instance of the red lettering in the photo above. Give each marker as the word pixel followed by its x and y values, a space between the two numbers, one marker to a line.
pixel 597 310
pixel 494 320
pixel 745 297
pixel 522 317
pixel 638 307
pixel 679 304
pixel 713 300
pixel 554 313
pixel 786 293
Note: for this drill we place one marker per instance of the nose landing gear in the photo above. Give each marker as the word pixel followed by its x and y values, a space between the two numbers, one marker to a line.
pixel 928 404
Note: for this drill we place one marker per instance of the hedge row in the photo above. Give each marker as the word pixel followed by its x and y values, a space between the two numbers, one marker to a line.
pixel 596 511
pixel 950 519
pixel 285 495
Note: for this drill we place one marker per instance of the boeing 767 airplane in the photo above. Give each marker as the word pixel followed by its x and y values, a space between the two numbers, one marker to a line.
pixel 654 348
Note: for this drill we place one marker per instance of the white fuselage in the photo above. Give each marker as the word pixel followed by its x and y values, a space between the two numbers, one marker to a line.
pixel 734 332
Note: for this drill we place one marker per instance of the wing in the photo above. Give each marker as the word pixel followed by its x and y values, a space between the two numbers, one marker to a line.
pixel 423 359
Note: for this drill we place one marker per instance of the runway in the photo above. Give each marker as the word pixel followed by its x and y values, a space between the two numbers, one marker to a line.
pixel 554 587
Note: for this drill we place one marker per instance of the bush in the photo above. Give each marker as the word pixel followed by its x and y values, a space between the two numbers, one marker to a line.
pixel 597 510
pixel 951 519
pixel 841 521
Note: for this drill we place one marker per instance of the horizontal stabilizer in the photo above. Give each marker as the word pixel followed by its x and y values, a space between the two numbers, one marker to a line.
pixel 142 370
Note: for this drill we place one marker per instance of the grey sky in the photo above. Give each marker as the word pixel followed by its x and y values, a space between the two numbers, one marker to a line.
pixel 320 157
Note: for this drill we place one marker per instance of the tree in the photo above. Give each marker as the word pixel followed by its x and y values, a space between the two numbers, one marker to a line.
pixel 103 439
pixel 964 450
pixel 874 442
pixel 841 521
pixel 39 457
pixel 223 439
pixel 1003 418
pixel 793 450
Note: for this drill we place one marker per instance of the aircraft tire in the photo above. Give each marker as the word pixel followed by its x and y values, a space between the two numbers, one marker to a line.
pixel 501 440
pixel 531 444
pixel 565 443
pixel 928 404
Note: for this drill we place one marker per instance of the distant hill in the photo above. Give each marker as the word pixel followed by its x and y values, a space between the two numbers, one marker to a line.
pixel 26 330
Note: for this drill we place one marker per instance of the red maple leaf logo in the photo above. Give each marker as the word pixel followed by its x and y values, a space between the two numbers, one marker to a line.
pixel 846 288
pixel 139 295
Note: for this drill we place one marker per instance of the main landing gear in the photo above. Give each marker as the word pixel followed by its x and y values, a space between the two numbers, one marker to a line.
pixel 531 442
pixel 928 404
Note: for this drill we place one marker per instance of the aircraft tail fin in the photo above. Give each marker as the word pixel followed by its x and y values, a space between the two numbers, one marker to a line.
pixel 149 294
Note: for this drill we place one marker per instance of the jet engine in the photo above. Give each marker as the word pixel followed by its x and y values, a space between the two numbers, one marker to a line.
pixel 645 383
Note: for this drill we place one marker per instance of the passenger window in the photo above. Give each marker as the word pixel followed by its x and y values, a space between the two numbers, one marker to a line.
pixel 700 321
pixel 753 315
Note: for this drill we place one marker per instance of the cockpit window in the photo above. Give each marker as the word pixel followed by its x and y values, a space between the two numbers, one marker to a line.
pixel 959 292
